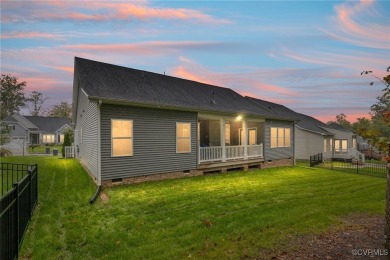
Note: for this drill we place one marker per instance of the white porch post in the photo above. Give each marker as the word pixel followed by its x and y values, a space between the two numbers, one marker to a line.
pixel 222 124
pixel 245 138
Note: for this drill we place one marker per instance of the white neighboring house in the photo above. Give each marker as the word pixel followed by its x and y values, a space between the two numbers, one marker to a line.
pixel 313 136
pixel 37 130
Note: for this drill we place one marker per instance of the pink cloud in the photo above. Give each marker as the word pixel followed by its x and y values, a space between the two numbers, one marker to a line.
pixel 182 72
pixel 353 23
pixel 63 68
pixel 274 89
pixel 351 117
pixel 28 35
pixel 106 11
pixel 156 48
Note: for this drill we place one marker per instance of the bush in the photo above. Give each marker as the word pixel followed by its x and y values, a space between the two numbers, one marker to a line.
pixel 5 152
pixel 67 142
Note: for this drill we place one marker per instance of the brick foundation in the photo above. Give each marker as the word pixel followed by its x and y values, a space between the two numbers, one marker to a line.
pixel 277 163
pixel 154 177
pixel 192 173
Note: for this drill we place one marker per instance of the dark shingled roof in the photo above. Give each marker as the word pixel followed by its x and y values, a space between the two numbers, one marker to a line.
pixel 337 127
pixel 120 84
pixel 48 124
pixel 305 122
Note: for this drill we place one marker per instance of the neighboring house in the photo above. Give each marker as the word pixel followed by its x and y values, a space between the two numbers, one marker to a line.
pixel 344 140
pixel 133 125
pixel 37 130
pixel 313 136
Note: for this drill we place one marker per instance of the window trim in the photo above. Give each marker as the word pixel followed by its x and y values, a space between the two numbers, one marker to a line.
pixel 277 137
pixel 130 138
pixel 240 130
pixel 325 145
pixel 189 138
pixel 52 137
pixel 339 149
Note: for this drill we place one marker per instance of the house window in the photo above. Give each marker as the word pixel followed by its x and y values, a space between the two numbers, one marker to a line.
pixel 60 138
pixel 330 144
pixel 252 134
pixel 121 137
pixel 227 134
pixel 340 146
pixel 48 138
pixel 183 137
pixel 11 127
pixel 280 137
pixel 325 144
pixel 354 143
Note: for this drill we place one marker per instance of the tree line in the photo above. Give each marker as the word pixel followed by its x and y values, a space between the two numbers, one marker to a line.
pixel 13 99
pixel 376 130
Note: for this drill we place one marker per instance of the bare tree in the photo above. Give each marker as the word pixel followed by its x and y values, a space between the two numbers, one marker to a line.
pixel 35 103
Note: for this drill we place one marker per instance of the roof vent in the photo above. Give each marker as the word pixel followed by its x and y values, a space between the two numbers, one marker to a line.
pixel 142 74
pixel 213 100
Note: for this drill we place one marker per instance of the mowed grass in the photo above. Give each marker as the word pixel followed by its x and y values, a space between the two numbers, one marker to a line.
pixel 219 216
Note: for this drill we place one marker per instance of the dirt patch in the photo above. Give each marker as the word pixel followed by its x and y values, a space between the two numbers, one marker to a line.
pixel 360 236
pixel 104 197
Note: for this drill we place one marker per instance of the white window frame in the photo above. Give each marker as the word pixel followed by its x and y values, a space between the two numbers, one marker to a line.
pixel 247 135
pixel 131 138
pixel 325 145
pixel 227 134
pixel 339 149
pixel 331 144
pixel 52 137
pixel 277 137
pixel 181 138
pixel 354 142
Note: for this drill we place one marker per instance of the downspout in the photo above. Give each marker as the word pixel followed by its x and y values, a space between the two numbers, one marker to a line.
pixel 99 177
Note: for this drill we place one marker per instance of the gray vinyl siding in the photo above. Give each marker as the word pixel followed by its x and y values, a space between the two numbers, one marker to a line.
pixel 307 144
pixel 87 118
pixel 280 152
pixel 154 142
pixel 19 130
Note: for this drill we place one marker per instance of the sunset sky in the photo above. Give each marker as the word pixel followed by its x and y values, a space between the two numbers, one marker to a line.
pixel 306 55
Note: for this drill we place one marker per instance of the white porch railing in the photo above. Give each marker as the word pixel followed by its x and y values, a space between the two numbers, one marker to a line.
pixel 255 150
pixel 215 153
pixel 234 152
pixel 210 154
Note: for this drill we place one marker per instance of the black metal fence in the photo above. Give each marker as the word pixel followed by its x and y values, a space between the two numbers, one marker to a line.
pixel 316 159
pixel 368 167
pixel 17 204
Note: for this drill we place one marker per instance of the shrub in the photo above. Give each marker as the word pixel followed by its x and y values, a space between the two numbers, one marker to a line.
pixel 5 152
pixel 67 142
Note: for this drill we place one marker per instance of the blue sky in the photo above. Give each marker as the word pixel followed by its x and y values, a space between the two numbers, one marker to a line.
pixel 307 55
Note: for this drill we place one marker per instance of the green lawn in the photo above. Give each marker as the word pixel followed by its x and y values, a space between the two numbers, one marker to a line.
pixel 41 149
pixel 220 216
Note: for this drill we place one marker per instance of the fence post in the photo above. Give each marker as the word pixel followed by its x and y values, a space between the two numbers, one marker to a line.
pixel 29 191
pixel 16 191
pixel 36 176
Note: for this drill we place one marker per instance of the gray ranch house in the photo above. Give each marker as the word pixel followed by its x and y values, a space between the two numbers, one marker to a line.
pixel 313 136
pixel 37 130
pixel 133 125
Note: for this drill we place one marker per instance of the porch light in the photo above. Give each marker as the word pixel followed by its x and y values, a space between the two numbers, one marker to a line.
pixel 238 118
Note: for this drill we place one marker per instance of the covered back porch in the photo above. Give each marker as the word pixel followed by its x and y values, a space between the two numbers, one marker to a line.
pixel 222 139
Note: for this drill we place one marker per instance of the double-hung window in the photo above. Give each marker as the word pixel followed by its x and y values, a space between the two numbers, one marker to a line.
pixel 280 137
pixel 340 146
pixel 183 137
pixel 121 137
